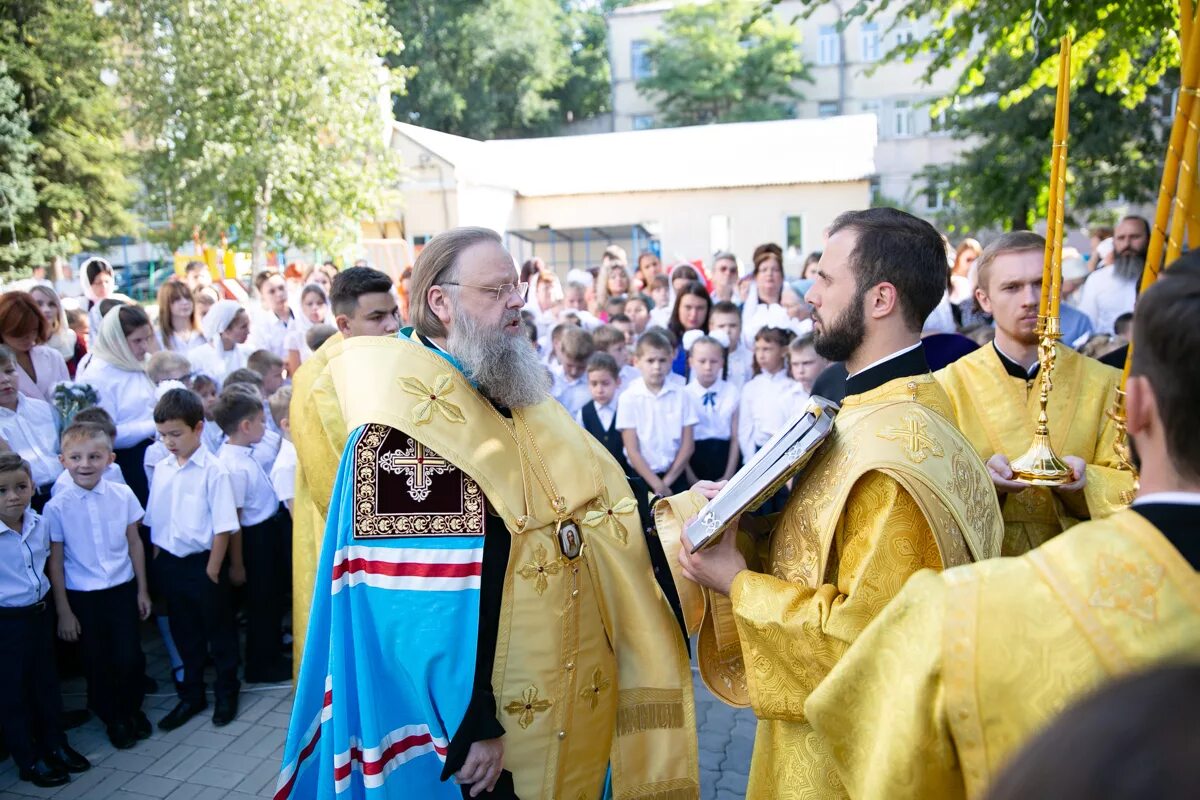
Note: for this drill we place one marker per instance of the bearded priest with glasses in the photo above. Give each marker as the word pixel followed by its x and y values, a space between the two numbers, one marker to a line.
pixel 486 606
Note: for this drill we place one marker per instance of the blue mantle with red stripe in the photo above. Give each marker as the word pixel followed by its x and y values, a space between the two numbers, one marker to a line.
pixel 388 663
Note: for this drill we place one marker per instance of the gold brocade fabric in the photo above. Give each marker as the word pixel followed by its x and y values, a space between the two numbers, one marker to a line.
pixel 316 467
pixel 896 489
pixel 997 413
pixel 963 667
pixel 590 669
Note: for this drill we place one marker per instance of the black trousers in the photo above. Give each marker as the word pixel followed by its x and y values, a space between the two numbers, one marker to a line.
pixel 131 461
pixel 710 458
pixel 267 575
pixel 30 703
pixel 112 650
pixel 202 622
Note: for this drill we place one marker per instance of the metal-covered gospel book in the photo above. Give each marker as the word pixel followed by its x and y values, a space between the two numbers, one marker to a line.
pixel 772 466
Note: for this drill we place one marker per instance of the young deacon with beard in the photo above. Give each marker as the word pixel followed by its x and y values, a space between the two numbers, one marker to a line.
pixel 486 609
pixel 895 489
pixel 995 395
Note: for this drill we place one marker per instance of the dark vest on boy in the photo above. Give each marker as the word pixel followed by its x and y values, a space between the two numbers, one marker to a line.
pixel 610 438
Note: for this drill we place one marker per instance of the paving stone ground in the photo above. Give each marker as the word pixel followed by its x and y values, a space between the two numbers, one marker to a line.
pixel 241 760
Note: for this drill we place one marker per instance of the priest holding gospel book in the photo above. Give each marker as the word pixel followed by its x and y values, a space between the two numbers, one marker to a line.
pixel 942 690
pixel 894 489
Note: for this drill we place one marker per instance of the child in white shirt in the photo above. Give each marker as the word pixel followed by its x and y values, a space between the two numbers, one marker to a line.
pixel 570 387
pixel 191 516
pixel 656 418
pixel 260 542
pixel 28 427
pixel 804 364
pixel 717 455
pixel 208 390
pixel 767 400
pixel 726 318
pixel 98 573
pixel 97 416
pixel 599 416
pixel 283 471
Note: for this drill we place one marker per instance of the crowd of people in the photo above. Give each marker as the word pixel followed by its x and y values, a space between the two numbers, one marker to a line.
pixel 154 445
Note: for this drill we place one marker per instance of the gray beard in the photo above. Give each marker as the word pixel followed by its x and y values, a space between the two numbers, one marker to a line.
pixel 506 367
pixel 1129 265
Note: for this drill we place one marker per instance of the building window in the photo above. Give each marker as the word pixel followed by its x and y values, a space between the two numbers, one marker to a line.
pixel 643 121
pixel 902 116
pixel 827 108
pixel 876 190
pixel 793 236
pixel 904 34
pixel 831 46
pixel 935 198
pixel 639 59
pixel 420 240
pixel 871 107
pixel 869 37
pixel 940 122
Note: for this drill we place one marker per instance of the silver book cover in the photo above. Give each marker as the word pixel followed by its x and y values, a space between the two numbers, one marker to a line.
pixel 778 460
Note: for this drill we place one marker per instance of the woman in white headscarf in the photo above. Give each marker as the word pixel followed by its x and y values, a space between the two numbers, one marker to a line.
pixel 116 369
pixel 226 327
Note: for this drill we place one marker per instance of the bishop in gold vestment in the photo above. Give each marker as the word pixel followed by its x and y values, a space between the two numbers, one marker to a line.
pixel 960 669
pixel 896 489
pixel 996 407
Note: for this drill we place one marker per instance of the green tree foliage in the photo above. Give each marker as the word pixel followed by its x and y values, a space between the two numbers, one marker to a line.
pixel 718 62
pixel 17 196
pixel 55 52
pixel 264 119
pixel 483 69
pixel 1114 151
pixel 586 88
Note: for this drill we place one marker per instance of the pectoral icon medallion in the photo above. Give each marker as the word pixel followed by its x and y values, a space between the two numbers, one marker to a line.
pixel 570 539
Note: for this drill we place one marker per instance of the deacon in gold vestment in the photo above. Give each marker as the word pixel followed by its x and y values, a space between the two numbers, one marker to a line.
pixel 583 663
pixel 994 392
pixel 896 489
pixel 364 304
pixel 963 667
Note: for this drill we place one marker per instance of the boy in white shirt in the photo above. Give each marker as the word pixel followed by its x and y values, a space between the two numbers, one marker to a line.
pixel 30 703
pixel 804 363
pixel 28 427
pixel 98 574
pixel 570 387
pixel 95 415
pixel 270 367
pixel 192 515
pixel 266 449
pixel 726 318
pixel 610 339
pixel 599 416
pixel 260 544
pixel 656 418
pixel 283 471
pixel 717 455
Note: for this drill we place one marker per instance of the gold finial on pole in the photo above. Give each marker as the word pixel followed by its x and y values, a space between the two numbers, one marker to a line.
pixel 1176 190
pixel 1040 466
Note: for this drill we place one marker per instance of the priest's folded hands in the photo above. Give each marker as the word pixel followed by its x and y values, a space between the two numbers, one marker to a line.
pixel 716 566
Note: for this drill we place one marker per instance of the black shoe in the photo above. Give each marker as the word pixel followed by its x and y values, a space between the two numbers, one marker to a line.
pixel 141 726
pixel 70 760
pixel 121 734
pixel 74 718
pixel 276 673
pixel 180 714
pixel 224 712
pixel 45 775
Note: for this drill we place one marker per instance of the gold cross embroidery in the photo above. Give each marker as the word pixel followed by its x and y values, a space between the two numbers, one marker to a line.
pixel 433 398
pixel 418 466
pixel 527 707
pixel 1124 586
pixel 599 684
pixel 539 568
pixel 912 433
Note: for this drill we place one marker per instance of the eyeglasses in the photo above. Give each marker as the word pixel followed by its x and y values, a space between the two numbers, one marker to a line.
pixel 503 290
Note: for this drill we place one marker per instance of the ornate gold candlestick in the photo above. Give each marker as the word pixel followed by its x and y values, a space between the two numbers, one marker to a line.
pixel 1040 466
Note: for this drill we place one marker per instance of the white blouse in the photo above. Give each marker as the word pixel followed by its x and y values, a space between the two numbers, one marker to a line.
pixel 767 403
pixel 127 396
pixel 51 370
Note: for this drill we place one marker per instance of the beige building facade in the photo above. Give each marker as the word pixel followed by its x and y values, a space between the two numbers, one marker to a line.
pixel 686 193
pixel 847 79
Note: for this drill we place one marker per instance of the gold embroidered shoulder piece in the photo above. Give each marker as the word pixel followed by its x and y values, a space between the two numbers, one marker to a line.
pixel 402 488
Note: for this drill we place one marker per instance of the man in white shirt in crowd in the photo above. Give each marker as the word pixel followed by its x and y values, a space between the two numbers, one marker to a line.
pixel 274 318
pixel 1111 291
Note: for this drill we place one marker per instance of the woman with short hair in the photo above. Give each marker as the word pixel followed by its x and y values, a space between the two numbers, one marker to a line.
pixel 25 331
